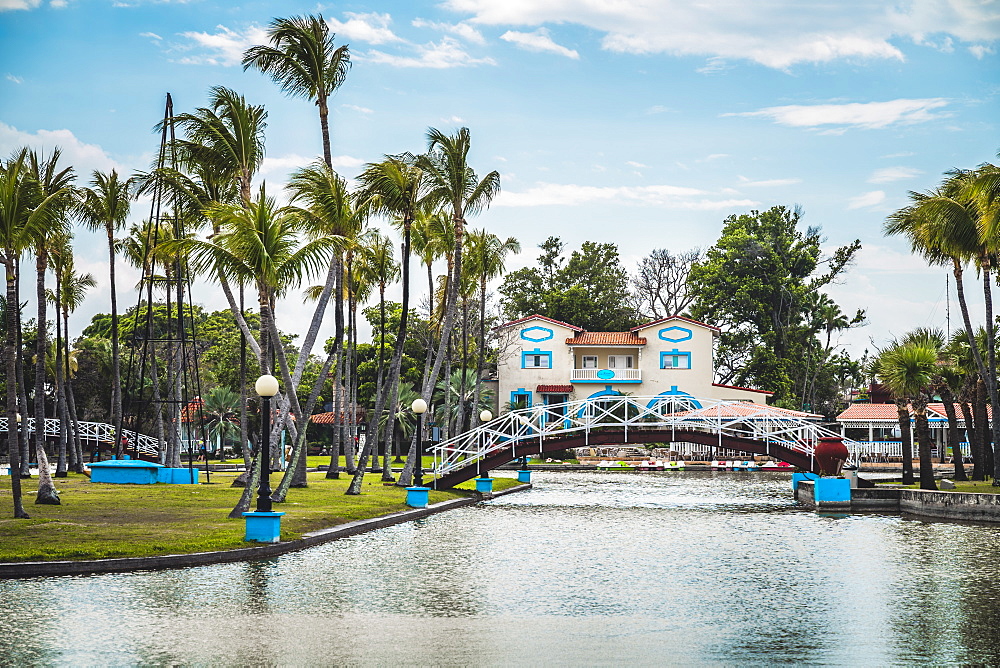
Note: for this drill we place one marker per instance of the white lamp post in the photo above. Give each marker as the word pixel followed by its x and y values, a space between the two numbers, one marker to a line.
pixel 419 407
pixel 266 387
pixel 485 416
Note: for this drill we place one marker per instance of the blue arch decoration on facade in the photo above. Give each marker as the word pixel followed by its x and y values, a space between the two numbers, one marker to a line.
pixel 607 391
pixel 674 392
pixel 675 334
pixel 537 334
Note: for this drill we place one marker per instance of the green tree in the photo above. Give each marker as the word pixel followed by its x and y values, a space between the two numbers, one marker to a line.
pixel 755 283
pixel 907 369
pixel 303 60
pixel 104 206
pixel 589 289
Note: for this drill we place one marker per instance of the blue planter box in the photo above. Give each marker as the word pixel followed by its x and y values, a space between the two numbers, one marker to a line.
pixel 179 476
pixel 417 497
pixel 832 493
pixel 524 476
pixel 263 527
pixel 484 485
pixel 125 472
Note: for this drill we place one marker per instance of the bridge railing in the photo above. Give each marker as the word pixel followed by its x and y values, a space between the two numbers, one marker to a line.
pixel 722 418
pixel 93 432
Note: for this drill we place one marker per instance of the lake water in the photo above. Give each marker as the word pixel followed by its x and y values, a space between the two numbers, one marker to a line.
pixel 587 568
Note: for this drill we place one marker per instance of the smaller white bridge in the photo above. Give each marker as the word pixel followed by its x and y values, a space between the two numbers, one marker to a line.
pixel 788 435
pixel 93 433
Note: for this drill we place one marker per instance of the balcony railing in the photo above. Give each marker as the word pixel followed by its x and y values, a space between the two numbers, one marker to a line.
pixel 611 375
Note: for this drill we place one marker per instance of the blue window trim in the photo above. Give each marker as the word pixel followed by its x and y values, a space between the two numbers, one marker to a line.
pixel 675 353
pixel 687 334
pixel 536 351
pixel 521 392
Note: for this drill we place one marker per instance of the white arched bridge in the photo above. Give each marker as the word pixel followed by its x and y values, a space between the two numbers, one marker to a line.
pixel 93 433
pixel 786 435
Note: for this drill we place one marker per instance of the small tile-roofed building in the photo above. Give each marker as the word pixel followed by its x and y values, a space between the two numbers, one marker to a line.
pixel 543 361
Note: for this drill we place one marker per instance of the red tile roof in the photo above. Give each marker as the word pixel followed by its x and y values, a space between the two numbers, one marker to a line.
pixel 539 317
pixel 606 339
pixel 675 317
pixel 869 412
pixel 747 409
pixel 331 418
pixel 554 389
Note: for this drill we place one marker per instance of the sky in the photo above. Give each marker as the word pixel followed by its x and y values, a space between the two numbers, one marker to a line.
pixel 643 123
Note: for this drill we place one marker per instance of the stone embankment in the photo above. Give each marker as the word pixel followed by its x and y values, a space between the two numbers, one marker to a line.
pixel 923 503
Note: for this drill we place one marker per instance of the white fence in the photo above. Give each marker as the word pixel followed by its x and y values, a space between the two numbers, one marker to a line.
pixel 93 432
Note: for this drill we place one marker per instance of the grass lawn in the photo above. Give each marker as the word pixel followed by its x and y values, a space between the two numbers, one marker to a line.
pixel 978 487
pixel 98 521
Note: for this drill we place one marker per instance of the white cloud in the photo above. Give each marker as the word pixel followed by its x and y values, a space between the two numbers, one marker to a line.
pixel 14 79
pixel 372 28
pixel 151 35
pixel 538 40
pixel 980 51
pixel 672 197
pixel 658 109
pixel 868 115
pixel 84 157
pixel 462 30
pixel 58 4
pixel 6 5
pixel 445 54
pixel 890 174
pixel 282 165
pixel 778 33
pixel 225 46
pixel 454 120
pixel 637 165
pixel 767 183
pixel 360 110
pixel 713 156
pixel 869 199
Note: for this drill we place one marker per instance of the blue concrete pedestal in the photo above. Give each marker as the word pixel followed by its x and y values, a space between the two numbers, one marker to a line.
pixel 417 497
pixel 832 493
pixel 484 485
pixel 799 477
pixel 263 527
pixel 523 476
pixel 179 476
pixel 125 472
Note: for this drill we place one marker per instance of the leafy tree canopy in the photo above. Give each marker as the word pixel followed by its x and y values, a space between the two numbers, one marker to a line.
pixel 761 283
pixel 589 290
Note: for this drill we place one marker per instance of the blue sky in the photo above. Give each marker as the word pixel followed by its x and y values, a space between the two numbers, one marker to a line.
pixel 644 123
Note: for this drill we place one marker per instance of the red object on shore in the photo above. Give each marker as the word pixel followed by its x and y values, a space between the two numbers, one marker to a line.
pixel 831 453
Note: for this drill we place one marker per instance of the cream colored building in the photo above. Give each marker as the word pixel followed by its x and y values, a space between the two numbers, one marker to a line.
pixel 544 362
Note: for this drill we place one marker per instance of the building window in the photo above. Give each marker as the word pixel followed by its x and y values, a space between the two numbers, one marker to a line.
pixel 589 362
pixel 536 359
pixel 675 359
pixel 619 361
pixel 520 399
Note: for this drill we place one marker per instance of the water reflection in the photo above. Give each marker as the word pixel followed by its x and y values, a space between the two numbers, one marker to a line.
pixel 586 569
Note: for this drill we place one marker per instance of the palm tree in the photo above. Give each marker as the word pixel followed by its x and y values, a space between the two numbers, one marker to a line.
pixel 225 139
pixel 221 413
pixel 453 183
pixel 105 206
pixel 394 188
pixel 302 59
pixel 24 215
pixel 55 183
pixel 488 255
pixel 946 226
pixel 907 369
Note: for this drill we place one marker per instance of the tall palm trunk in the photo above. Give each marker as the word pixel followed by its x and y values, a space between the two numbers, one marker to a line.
pixel 47 493
pixel 60 413
pixel 981 416
pixel 116 382
pixel 907 441
pixel 992 370
pixel 450 309
pixel 954 442
pixel 77 442
pixel 10 355
pixel 394 370
pixel 972 436
pixel 923 443
pixel 333 471
pixel 481 353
